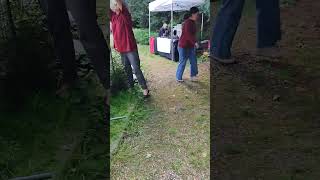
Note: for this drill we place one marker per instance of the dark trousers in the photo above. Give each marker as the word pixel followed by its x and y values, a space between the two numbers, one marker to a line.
pixel 132 59
pixel 91 36
pixel 227 21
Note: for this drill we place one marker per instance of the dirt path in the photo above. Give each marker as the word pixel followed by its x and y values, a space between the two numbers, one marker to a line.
pixel 266 111
pixel 174 141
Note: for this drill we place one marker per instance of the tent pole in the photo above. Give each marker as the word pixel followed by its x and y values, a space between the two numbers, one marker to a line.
pixel 202 27
pixel 172 49
pixel 149 25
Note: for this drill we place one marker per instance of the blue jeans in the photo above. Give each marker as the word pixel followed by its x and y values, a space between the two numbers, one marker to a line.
pixel 184 55
pixel 227 21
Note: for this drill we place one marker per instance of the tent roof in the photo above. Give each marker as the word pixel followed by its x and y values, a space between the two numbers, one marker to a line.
pixel 178 5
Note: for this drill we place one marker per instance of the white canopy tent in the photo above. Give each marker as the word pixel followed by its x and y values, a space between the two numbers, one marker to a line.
pixel 173 5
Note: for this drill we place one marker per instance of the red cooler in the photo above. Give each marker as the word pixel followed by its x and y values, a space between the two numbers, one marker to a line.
pixel 151 44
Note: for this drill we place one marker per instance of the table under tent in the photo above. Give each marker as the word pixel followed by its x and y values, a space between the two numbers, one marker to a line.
pixel 167 47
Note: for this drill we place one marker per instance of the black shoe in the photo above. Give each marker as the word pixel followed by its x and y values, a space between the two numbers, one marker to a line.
pixel 147 95
pixel 223 61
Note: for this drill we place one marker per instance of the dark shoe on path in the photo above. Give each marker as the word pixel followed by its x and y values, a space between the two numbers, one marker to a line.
pixel 223 61
pixel 146 93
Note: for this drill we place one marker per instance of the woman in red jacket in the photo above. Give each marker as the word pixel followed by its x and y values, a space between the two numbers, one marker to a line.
pixel 125 43
pixel 187 44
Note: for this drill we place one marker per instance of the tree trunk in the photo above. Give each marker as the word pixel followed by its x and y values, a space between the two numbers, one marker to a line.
pixel 12 27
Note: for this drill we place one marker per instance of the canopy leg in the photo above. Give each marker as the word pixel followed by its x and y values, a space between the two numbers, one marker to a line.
pixel 172 47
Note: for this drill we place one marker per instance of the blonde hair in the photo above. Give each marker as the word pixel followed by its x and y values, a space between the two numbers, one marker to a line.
pixel 113 5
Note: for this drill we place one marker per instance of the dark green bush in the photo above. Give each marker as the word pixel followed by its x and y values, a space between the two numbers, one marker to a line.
pixel 28 57
pixel 142 36
pixel 118 75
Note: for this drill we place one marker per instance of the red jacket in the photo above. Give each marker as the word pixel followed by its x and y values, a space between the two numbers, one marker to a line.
pixel 123 36
pixel 188 36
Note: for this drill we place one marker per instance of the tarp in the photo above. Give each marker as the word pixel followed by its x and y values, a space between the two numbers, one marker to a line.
pixel 178 5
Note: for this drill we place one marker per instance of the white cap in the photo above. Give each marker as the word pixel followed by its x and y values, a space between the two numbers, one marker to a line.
pixel 165 25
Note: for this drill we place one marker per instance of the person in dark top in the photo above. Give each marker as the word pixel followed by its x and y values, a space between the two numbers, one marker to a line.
pixel 125 43
pixel 187 44
pixel 163 30
pixel 227 21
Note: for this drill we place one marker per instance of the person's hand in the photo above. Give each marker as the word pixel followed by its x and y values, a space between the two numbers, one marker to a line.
pixel 197 45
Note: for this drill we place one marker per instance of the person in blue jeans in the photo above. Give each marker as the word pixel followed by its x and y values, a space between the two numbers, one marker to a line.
pixel 227 21
pixel 187 44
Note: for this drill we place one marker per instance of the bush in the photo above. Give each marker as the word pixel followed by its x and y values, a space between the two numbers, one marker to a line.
pixel 142 36
pixel 28 58
pixel 118 75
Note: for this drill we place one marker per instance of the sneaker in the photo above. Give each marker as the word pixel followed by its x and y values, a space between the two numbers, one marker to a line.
pixel 273 52
pixel 179 80
pixel 222 61
pixel 146 93
pixel 194 78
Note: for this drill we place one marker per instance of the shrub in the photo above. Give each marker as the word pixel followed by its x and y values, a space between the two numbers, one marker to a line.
pixel 142 36
pixel 28 58
pixel 118 75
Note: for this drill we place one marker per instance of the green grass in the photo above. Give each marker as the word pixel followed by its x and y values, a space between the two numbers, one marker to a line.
pixel 121 105
pixel 199 159
pixel 44 135
pixel 132 127
pixel 176 166
pixel 89 159
pixel 31 138
pixel 172 131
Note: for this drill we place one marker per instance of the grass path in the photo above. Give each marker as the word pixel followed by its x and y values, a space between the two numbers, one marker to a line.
pixel 173 142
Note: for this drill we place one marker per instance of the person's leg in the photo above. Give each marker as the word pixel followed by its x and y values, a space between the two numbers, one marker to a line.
pixel 268 23
pixel 225 28
pixel 182 63
pixel 193 62
pixel 133 58
pixel 91 36
pixel 59 27
pixel 128 69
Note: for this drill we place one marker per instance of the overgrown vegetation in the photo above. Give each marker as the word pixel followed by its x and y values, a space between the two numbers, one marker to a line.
pixel 142 36
pixel 118 75
pixel 44 133
pixel 26 58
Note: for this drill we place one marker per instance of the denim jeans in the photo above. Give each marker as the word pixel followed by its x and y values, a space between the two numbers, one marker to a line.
pixel 227 21
pixel 132 59
pixel 184 55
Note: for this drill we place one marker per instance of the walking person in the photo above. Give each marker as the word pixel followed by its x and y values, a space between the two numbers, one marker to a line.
pixel 91 36
pixel 227 21
pixel 187 45
pixel 125 43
